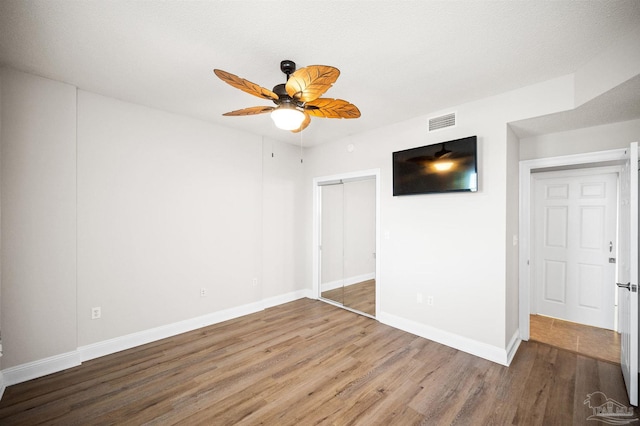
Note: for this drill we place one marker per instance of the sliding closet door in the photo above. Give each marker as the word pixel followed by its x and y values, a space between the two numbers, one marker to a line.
pixel 332 242
pixel 359 227
pixel 347 243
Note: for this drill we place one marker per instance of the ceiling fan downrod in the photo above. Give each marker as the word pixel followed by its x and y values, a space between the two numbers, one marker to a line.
pixel 288 67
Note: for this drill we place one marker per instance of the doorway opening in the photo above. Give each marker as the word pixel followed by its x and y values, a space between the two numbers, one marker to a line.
pixel 539 268
pixel 346 243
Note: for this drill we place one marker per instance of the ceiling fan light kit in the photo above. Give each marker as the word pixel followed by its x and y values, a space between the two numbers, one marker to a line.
pixel 287 117
pixel 296 100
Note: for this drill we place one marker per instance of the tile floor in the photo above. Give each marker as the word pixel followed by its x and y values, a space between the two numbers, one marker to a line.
pixel 595 342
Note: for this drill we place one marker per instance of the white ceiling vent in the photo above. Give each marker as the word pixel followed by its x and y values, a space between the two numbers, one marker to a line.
pixel 442 122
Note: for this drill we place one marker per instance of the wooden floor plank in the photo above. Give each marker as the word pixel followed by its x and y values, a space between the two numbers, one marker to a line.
pixel 359 296
pixel 308 362
pixel 561 395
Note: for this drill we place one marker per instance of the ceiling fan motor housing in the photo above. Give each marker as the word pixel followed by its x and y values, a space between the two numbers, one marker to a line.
pixel 284 97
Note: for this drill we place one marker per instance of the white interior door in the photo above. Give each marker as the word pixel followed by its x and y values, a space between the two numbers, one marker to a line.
pixel 628 274
pixel 575 246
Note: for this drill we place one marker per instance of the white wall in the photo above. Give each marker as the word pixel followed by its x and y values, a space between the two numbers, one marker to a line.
pixel 38 153
pixel 283 248
pixel 449 246
pixel 458 248
pixel 579 141
pixel 512 237
pixel 167 205
pixel 164 205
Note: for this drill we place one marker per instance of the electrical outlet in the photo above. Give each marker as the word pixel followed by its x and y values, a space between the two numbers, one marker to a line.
pixel 203 292
pixel 419 297
pixel 96 313
pixel 430 300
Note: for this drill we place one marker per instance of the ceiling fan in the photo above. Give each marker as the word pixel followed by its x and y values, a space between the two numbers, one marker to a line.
pixel 296 100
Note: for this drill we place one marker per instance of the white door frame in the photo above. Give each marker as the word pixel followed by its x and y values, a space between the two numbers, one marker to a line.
pixel 317 182
pixel 600 158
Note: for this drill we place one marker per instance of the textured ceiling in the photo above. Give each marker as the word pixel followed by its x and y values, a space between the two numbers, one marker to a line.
pixel 398 59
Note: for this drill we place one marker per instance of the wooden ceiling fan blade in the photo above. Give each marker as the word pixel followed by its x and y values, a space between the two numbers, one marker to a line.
pixel 250 111
pixel 245 85
pixel 332 108
pixel 305 123
pixel 309 83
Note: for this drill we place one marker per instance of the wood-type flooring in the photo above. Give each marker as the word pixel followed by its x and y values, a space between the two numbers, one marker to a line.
pixel 360 296
pixel 308 362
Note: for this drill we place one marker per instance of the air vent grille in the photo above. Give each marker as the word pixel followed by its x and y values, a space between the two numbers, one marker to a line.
pixel 443 121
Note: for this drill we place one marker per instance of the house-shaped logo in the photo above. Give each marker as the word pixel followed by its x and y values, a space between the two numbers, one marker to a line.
pixel 609 410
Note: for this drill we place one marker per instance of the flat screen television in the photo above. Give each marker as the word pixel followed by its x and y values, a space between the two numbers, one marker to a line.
pixel 449 166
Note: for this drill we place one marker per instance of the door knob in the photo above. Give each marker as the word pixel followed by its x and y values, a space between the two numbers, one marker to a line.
pixel 627 285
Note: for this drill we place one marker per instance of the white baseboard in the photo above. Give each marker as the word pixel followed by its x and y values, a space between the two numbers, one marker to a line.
pixel 3 385
pixel 513 346
pixel 465 344
pixel 332 285
pixel 96 350
pixel 42 367
pixel 288 297
pixel 33 370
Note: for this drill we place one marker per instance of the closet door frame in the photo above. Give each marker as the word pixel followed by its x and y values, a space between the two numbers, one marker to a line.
pixel 318 182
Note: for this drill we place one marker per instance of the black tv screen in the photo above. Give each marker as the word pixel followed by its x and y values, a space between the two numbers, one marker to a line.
pixel 443 167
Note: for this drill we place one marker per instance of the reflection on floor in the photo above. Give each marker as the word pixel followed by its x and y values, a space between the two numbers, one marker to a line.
pixel 360 296
pixel 595 342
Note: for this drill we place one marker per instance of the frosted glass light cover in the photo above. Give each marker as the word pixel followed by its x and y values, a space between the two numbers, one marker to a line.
pixel 287 118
